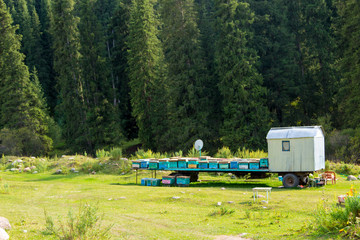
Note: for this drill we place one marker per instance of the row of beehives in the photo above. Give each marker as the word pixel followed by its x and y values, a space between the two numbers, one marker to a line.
pixel 183 181
pixel 199 163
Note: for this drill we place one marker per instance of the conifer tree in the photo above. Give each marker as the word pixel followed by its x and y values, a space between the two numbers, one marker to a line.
pixel 189 103
pixel 311 25
pixel 146 73
pixel 95 78
pixel 276 48
pixel 349 31
pixel 119 53
pixel 22 110
pixel 245 117
pixel 71 109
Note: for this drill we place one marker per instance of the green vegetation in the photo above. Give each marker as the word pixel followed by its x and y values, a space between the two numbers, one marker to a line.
pixel 78 76
pixel 335 219
pixel 111 204
pixel 85 225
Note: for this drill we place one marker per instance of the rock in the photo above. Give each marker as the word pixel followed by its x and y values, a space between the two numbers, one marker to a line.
pixel 264 201
pixel 3 235
pixel 35 172
pixel 71 158
pixel 25 231
pixel 230 202
pixel 27 169
pixel 4 223
pixel 120 198
pixel 233 177
pixel 16 161
pixel 72 170
pixel 219 203
pixel 351 178
pixel 93 172
pixel 59 171
pixel 76 171
pixel 32 167
pixel 110 199
pixel 223 188
pixel 175 197
pixel 14 169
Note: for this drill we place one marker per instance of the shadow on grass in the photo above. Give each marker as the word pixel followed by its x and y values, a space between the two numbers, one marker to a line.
pixel 229 184
pixel 56 177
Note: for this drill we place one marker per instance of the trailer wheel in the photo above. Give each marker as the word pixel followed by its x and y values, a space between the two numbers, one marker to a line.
pixel 290 180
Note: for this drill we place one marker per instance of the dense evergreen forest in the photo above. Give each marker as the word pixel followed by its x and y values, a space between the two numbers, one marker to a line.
pixel 84 75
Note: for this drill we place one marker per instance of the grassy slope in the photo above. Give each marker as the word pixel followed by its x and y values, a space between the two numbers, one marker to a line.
pixel 151 213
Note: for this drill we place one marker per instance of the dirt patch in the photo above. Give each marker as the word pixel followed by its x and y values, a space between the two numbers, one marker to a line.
pixel 238 237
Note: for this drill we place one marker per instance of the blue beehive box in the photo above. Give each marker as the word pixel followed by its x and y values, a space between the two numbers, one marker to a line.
pixel 144 163
pixel 163 164
pixel 213 164
pixel 204 164
pixel 173 163
pixel 264 163
pixel 144 181
pixel 183 180
pixel 234 164
pixel 182 163
pixel 254 165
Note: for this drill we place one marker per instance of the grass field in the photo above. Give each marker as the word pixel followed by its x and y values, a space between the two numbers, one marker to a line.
pixel 139 212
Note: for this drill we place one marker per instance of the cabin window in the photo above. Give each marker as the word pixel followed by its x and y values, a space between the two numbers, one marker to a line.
pixel 286 146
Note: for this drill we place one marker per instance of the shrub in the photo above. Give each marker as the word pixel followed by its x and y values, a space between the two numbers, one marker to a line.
pixel 224 152
pixel 116 154
pixel 338 220
pixel 85 225
pixel 246 153
pixel 23 141
pixel 222 211
pixel 195 153
pixel 101 153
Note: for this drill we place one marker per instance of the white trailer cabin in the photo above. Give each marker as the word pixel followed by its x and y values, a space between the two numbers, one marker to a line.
pixel 296 149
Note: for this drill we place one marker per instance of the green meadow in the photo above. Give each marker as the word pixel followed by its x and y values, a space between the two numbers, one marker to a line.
pixel 139 212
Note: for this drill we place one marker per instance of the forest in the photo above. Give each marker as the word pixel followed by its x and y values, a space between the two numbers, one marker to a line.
pixel 83 75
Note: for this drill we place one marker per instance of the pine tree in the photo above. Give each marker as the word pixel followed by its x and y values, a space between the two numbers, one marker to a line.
pixel 71 109
pixel 188 98
pixel 95 78
pixel 349 31
pixel 146 73
pixel 276 48
pixel 245 117
pixel 311 25
pixel 22 109
pixel 119 65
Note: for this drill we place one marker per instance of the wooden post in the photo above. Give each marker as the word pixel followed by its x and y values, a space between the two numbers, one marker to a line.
pixel 136 176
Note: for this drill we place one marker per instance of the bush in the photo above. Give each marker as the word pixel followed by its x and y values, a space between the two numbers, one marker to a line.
pixel 23 141
pixel 224 152
pixel 86 225
pixel 101 153
pixel 246 153
pixel 195 153
pixel 338 220
pixel 116 154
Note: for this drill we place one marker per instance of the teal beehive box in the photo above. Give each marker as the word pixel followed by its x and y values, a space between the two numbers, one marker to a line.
pixel 264 163
pixel 183 180
pixel 154 165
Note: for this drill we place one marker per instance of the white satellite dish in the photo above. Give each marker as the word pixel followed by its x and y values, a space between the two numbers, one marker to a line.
pixel 198 144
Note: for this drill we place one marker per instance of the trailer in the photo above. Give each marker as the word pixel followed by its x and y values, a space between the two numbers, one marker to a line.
pixel 293 152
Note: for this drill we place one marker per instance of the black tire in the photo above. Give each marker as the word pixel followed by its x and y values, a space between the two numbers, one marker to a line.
pixel 290 180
